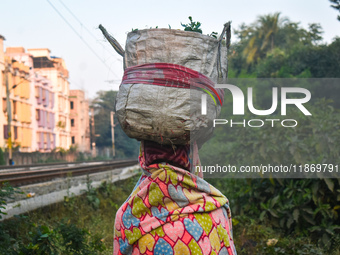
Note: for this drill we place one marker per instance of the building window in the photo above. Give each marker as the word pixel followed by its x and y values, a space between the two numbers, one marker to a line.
pixel 72 122
pixel 71 105
pixel 15 132
pixel 37 116
pixel 73 140
pixel 4 105
pixel 5 131
pixel 14 107
pixel 51 100
pixel 36 91
pixel 43 95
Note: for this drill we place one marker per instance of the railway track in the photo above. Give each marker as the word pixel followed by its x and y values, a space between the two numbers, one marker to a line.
pixel 22 175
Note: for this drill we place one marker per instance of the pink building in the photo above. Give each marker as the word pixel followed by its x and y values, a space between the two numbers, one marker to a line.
pixel 79 120
pixel 55 70
pixel 44 114
pixel 41 102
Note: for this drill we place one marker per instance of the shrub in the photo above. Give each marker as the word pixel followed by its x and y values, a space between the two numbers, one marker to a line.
pixel 2 157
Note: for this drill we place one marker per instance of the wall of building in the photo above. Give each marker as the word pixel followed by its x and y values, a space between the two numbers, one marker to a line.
pixel 40 102
pixel 2 90
pixel 21 104
pixel 44 114
pixel 21 107
pixel 55 70
pixel 79 120
pixel 18 54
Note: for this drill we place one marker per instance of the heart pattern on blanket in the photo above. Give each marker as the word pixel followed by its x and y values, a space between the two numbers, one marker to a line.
pixel 129 219
pixel 194 228
pixel 146 242
pixel 218 216
pixel 139 207
pixel 162 247
pixel 149 223
pixel 124 246
pixel 223 251
pixel 223 234
pixel 174 231
pixel 173 212
pixel 133 235
pixel 155 195
pixel 194 247
pixel 203 185
pixel 215 240
pixel 160 214
pixel 178 195
pixel 205 246
pixel 181 248
pixel 205 221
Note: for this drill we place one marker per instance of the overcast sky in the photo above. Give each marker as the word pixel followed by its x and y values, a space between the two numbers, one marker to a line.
pixel 94 65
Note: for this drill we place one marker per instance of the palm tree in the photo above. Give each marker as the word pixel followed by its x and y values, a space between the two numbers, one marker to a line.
pixel 269 25
pixel 336 6
pixel 261 36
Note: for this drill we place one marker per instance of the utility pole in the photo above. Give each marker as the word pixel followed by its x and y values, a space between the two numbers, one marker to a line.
pixel 93 134
pixel 113 134
pixel 9 117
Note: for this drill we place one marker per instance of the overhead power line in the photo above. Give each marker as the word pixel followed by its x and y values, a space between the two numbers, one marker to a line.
pixel 81 38
pixel 83 26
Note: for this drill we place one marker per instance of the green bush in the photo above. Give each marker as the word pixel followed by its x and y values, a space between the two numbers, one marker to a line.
pixel 2 157
pixel 79 226
pixel 296 207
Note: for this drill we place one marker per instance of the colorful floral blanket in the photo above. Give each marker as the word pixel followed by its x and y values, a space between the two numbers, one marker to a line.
pixel 172 211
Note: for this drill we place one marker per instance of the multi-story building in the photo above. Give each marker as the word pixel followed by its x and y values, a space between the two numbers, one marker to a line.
pixel 55 70
pixel 2 90
pixel 44 114
pixel 42 101
pixel 18 55
pixel 17 78
pixel 79 120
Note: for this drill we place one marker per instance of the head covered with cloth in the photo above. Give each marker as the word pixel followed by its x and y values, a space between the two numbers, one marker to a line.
pixel 172 211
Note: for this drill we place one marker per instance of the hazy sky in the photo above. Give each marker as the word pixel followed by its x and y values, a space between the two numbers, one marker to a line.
pixel 36 24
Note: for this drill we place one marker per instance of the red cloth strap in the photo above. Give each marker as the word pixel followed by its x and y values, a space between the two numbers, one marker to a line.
pixel 170 75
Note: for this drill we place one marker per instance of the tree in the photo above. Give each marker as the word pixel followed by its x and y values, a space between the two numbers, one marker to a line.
pixel 2 158
pixel 336 6
pixel 261 36
pixel 103 104
pixel 270 25
pixel 265 45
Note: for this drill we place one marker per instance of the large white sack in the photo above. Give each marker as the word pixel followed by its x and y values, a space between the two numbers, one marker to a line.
pixel 169 115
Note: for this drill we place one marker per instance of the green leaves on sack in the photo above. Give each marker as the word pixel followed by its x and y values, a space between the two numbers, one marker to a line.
pixel 192 26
